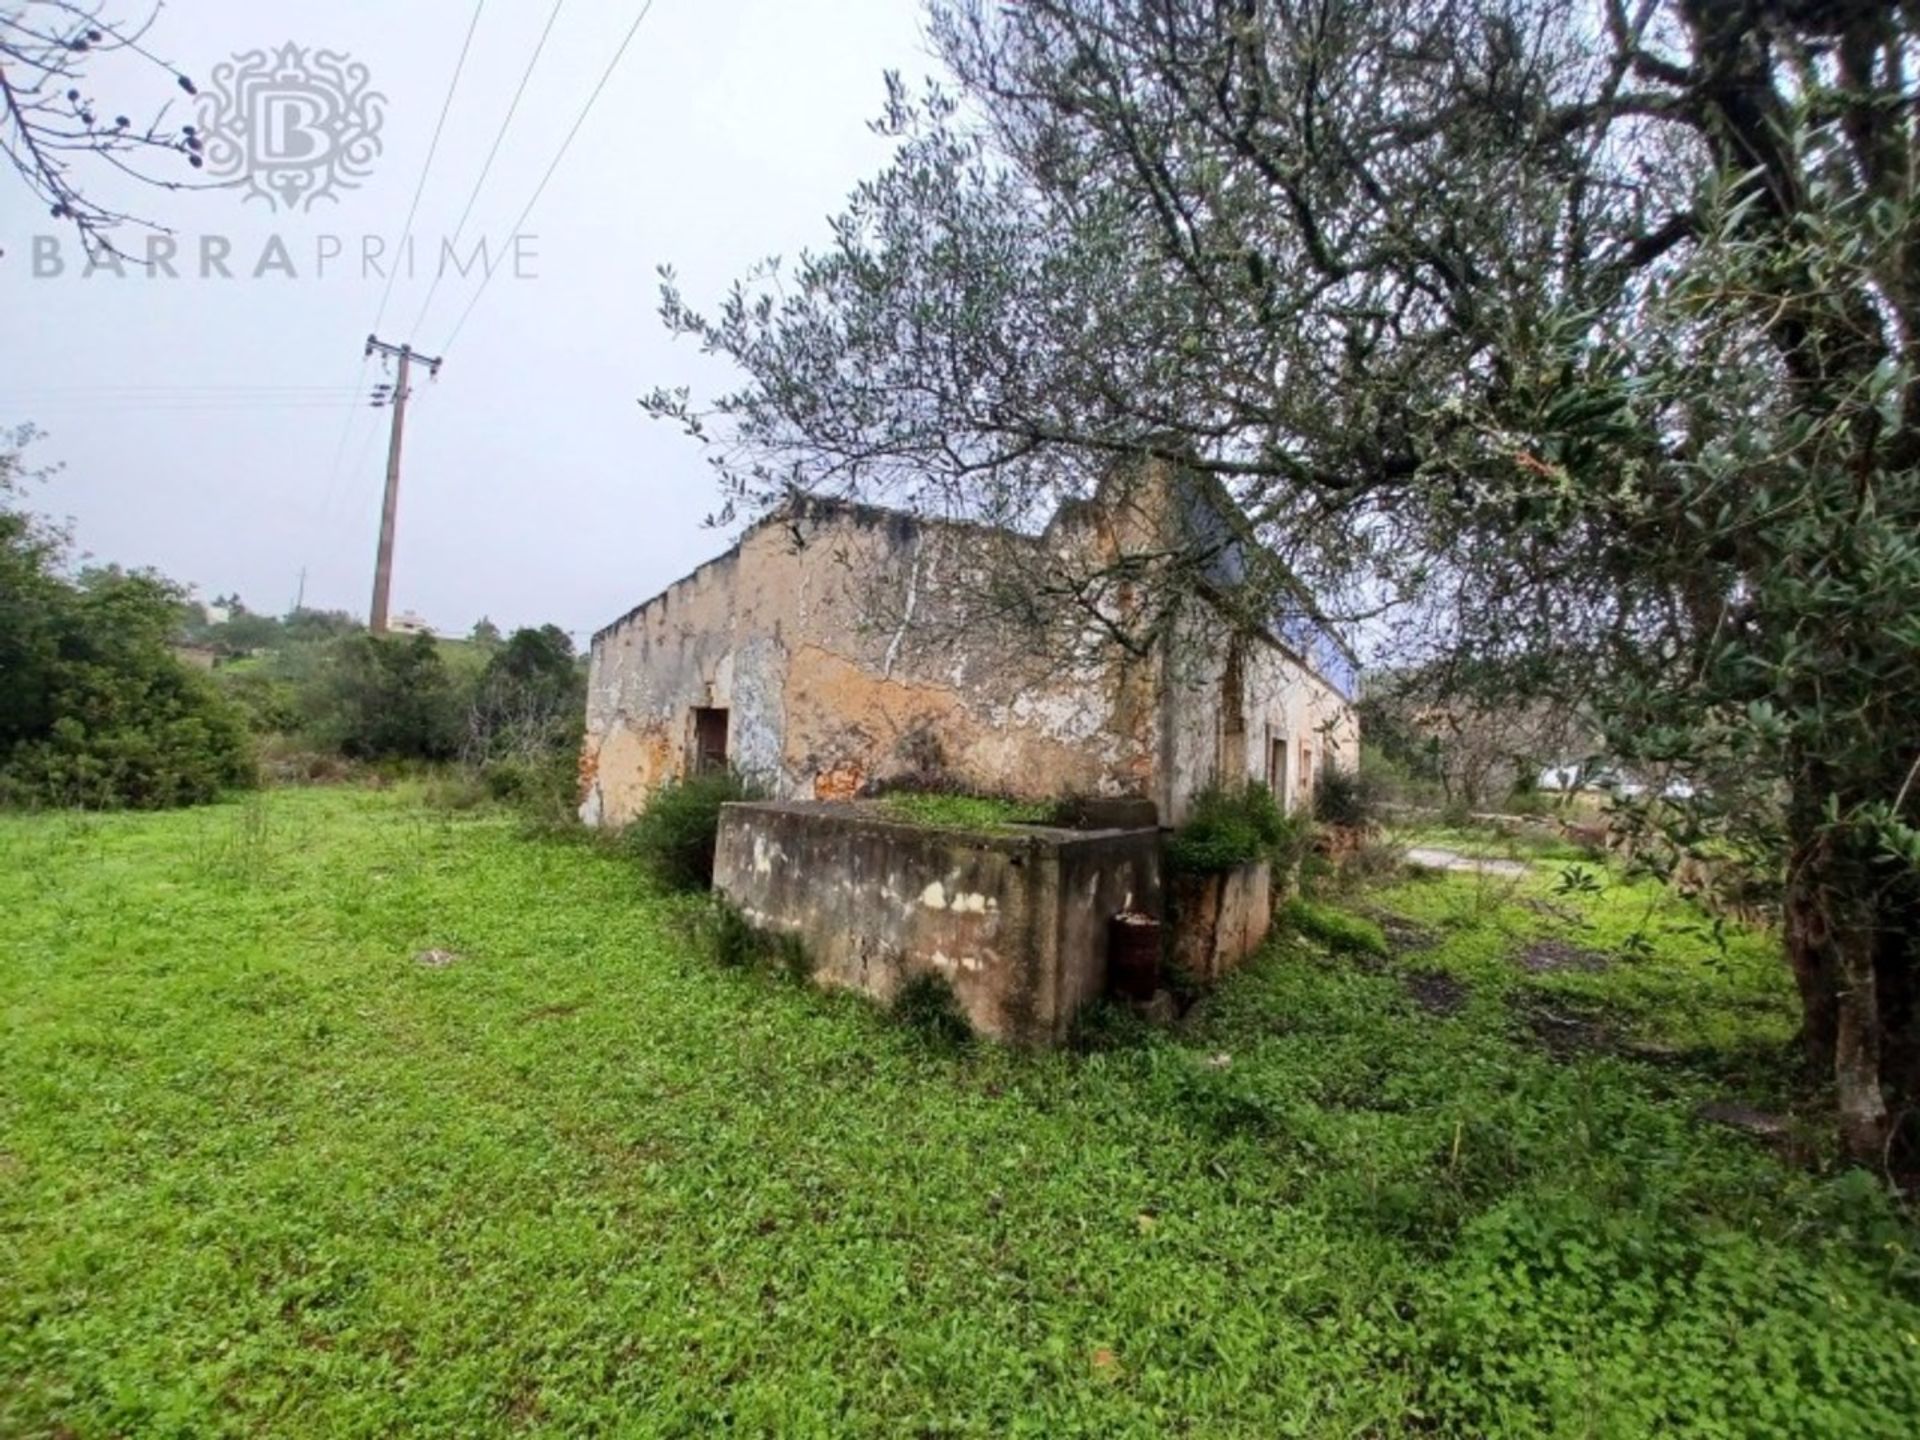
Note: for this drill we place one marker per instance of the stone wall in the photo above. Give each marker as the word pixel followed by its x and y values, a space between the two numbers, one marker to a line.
pixel 847 649
pixel 828 696
pixel 1217 922
pixel 1015 920
pixel 1282 703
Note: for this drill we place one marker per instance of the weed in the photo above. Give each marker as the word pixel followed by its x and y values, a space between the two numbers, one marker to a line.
pixel 965 812
pixel 736 944
pixel 1340 932
pixel 674 837
pixel 1347 798
pixel 1228 827
pixel 925 1004
pixel 238 1123
pixel 1107 1024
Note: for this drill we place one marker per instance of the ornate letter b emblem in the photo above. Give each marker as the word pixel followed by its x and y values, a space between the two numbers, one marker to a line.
pixel 292 126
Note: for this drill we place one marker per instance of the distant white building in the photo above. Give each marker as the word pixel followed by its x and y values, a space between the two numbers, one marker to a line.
pixel 408 623
pixel 1574 779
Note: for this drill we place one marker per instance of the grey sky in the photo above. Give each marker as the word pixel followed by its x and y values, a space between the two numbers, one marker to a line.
pixel 535 489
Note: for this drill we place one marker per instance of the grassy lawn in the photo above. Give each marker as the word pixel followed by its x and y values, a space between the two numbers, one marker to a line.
pixel 264 1172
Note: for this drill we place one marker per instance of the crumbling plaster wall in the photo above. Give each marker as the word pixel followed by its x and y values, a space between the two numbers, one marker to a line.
pixel 839 645
pixel 826 695
pixel 1281 699
pixel 1015 921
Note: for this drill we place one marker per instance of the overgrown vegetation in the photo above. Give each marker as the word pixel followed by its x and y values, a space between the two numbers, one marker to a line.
pixel 966 812
pixel 361 1042
pixel 739 945
pixel 1229 826
pixel 1347 797
pixel 1340 932
pixel 385 698
pixel 1590 339
pixel 673 838
pixel 926 1005
pixel 95 710
pixel 98 710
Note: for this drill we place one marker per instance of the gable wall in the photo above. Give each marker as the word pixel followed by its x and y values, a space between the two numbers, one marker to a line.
pixel 826 696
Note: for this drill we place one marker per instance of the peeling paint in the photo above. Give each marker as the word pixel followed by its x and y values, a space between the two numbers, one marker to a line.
pixel 824 702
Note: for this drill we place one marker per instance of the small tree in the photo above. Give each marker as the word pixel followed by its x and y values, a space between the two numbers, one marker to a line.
pixel 95 710
pixel 531 700
pixel 381 697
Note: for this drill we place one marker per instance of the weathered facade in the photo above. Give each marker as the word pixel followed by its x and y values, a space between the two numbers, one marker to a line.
pixel 1015 921
pixel 824 655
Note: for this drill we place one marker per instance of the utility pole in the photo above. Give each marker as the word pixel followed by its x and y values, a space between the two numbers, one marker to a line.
pixel 383 562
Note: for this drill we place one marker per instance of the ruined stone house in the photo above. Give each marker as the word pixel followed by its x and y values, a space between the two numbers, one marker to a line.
pixel 830 653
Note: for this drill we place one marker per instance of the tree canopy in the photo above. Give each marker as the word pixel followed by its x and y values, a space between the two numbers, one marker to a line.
pixel 95 710
pixel 1580 341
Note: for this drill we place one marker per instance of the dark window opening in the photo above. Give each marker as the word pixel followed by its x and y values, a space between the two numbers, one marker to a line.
pixel 1233 719
pixel 709 739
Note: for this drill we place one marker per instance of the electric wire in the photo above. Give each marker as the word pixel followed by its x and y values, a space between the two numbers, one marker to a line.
pixel 487 279
pixel 486 168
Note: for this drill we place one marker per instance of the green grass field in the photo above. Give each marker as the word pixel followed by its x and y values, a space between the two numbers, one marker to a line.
pixel 264 1172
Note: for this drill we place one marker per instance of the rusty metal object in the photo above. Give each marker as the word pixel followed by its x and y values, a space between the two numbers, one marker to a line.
pixel 1133 955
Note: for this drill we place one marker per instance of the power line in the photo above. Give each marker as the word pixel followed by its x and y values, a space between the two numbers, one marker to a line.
pixel 486 169
pixel 565 145
pixel 446 106
pixel 124 405
pixel 413 210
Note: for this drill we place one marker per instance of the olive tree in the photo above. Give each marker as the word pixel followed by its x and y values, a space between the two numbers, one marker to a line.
pixel 1584 337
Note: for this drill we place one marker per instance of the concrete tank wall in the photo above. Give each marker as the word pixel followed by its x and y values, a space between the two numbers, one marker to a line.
pixel 1015 920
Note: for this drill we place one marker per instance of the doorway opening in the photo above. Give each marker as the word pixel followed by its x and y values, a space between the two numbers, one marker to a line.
pixel 709 739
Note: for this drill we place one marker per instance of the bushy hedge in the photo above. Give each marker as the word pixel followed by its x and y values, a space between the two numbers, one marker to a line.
pixel 674 837
pixel 97 711
pixel 385 698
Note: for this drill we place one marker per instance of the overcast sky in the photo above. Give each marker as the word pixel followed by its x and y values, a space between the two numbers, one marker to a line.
pixel 199 419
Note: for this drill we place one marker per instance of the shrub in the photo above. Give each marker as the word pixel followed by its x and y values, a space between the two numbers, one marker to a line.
pixel 1234 826
pixel 674 837
pixel 529 701
pixel 453 789
pixel 1340 932
pixel 270 702
pixel 97 711
pixel 1395 781
pixel 926 1005
pixel 544 789
pixel 1374 862
pixel 738 945
pixel 386 698
pixel 1347 798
